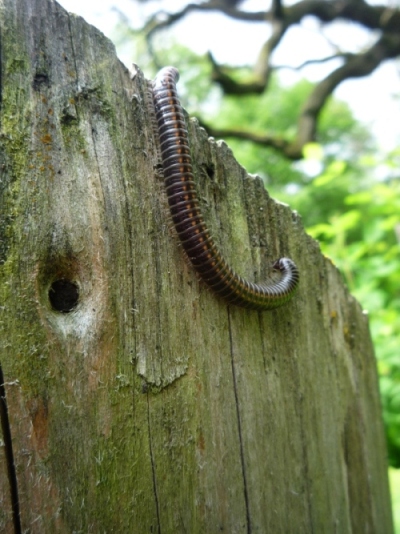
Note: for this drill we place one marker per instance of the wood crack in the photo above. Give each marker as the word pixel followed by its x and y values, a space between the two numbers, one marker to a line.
pixel 11 471
pixel 153 467
pixel 239 425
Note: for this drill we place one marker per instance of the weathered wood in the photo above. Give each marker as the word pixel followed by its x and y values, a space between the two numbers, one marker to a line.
pixel 152 406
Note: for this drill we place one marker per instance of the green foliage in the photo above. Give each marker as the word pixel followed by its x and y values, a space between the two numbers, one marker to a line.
pixel 394 479
pixel 363 239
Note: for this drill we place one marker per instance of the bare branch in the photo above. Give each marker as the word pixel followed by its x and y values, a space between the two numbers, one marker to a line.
pixel 230 86
pixel 163 20
pixel 279 143
pixel 317 61
pixel 277 9
pixel 261 71
pixel 375 17
pixel 372 17
pixel 357 65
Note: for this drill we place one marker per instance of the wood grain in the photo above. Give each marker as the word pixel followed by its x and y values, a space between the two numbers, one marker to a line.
pixel 152 406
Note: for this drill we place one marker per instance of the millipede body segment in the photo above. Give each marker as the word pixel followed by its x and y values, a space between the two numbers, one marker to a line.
pixel 187 217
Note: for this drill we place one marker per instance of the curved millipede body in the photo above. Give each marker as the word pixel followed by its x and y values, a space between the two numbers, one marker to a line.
pixel 188 219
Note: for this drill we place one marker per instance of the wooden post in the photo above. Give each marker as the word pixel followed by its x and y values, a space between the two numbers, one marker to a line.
pixel 137 401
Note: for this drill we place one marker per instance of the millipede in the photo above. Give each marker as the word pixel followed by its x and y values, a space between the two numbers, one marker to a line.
pixel 188 219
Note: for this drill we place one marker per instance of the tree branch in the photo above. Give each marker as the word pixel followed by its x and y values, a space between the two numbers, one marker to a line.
pixel 356 65
pixel 163 20
pixel 372 17
pixel 316 61
pixel 262 68
pixel 277 9
pixel 281 18
pixel 220 75
pixel 279 143
pixel 375 17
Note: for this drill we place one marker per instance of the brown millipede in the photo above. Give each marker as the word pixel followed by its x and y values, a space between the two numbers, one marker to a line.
pixel 188 219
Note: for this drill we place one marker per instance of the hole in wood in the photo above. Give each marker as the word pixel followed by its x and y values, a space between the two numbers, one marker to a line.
pixel 210 171
pixel 63 295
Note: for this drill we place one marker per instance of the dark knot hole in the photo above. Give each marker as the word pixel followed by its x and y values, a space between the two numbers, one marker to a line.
pixel 63 295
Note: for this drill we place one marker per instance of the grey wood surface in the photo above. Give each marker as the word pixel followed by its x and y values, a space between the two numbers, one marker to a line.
pixel 152 406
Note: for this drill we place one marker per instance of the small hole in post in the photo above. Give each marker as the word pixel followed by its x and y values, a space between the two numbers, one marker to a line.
pixel 63 295
pixel 210 169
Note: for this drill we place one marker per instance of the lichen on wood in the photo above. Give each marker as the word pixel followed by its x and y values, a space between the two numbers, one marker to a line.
pixel 138 401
